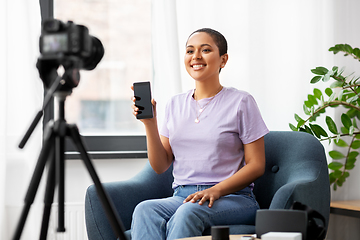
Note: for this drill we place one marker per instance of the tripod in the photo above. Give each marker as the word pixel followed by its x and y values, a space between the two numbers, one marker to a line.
pixel 53 154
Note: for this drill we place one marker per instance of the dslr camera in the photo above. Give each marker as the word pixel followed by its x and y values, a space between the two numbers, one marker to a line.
pixel 67 44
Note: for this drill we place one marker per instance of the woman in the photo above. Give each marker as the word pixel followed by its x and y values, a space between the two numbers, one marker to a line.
pixel 214 137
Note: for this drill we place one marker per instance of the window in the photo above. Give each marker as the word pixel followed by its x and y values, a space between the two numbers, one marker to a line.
pixel 100 104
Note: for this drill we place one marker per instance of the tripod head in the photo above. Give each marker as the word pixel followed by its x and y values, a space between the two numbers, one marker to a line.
pixel 48 72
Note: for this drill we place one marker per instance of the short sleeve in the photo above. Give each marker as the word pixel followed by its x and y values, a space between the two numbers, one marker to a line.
pixel 251 125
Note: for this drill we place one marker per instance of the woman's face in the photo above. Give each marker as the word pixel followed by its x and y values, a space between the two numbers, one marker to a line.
pixel 202 59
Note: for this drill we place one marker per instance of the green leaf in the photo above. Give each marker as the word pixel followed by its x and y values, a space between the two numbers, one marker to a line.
pixel 331 125
pixel 348 48
pixel 308 130
pixel 342 178
pixel 341 143
pixel 317 93
pixel 351 160
pixel 319 70
pixel 327 76
pixel 297 118
pixel 318 131
pixel 306 110
pixel 336 154
pixel 334 49
pixel 300 123
pixel 335 165
pixel 312 99
pixel 349 166
pixel 292 127
pixel 337 173
pixel 340 94
pixel 355 144
pixel 344 130
pixel 332 97
pixel 352 99
pixel 315 79
pixel 340 181
pixel 352 113
pixel 308 104
pixel 332 179
pixel 355 123
pixel 353 154
pixel 351 130
pixel 346 121
pixel 336 84
pixel 356 52
pixel 328 91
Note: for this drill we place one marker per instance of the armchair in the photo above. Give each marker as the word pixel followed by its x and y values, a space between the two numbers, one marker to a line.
pixel 296 170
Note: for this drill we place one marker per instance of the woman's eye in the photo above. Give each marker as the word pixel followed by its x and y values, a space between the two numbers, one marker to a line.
pixel 189 51
pixel 206 50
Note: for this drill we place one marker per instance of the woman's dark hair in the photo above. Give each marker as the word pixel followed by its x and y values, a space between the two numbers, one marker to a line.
pixel 218 38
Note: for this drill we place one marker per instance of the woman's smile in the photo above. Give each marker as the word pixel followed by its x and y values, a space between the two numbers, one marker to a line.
pixel 197 66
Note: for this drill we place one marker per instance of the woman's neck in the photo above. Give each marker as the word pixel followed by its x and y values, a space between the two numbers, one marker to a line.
pixel 206 90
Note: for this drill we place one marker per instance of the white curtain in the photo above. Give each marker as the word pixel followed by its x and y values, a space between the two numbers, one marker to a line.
pixel 21 97
pixel 166 71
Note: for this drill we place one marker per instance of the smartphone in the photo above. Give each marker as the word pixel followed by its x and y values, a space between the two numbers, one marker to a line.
pixel 142 93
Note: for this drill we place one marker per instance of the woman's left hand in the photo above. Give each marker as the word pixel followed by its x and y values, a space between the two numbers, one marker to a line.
pixel 209 194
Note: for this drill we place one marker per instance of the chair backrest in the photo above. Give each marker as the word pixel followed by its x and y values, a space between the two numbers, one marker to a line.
pixel 296 170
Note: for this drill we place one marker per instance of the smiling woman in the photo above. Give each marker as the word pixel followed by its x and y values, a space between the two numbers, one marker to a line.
pixel 209 176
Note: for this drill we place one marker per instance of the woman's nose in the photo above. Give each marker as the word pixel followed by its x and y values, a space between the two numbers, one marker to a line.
pixel 197 55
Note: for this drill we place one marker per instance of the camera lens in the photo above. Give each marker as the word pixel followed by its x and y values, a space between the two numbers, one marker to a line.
pixel 96 54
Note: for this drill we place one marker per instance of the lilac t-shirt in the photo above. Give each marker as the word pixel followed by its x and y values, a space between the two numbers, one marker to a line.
pixel 211 150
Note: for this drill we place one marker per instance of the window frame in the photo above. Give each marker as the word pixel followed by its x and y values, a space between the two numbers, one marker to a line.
pixel 98 147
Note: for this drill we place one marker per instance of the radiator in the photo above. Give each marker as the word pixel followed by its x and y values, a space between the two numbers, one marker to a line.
pixel 74 223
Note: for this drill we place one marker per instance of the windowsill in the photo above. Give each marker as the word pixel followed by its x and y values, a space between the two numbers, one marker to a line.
pixel 108 155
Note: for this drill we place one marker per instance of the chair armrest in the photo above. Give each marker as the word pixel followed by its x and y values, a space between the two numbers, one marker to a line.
pixel 125 195
pixel 306 191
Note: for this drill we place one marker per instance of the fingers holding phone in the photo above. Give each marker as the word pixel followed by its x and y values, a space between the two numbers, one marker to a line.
pixel 144 105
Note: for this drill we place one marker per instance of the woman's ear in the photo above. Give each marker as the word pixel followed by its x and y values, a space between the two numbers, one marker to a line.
pixel 224 59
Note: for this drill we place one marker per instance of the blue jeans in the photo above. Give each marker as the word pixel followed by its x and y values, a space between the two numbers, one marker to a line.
pixel 170 218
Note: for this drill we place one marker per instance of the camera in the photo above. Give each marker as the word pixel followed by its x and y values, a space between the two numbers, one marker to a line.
pixel 69 45
pixel 63 41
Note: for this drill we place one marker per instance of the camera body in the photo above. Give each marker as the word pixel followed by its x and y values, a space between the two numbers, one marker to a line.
pixel 69 45
pixel 58 38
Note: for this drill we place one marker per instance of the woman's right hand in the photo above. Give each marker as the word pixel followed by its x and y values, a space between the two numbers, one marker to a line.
pixel 158 147
pixel 136 109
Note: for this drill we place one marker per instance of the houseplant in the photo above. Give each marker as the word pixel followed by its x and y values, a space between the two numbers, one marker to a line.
pixel 344 91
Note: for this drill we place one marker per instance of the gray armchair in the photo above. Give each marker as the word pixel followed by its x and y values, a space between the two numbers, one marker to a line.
pixel 296 170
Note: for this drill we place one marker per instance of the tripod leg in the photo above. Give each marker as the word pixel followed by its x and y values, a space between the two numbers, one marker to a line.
pixel 48 199
pixel 107 204
pixel 35 180
pixel 60 177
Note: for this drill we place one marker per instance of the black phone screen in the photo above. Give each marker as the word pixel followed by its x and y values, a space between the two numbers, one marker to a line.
pixel 142 93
